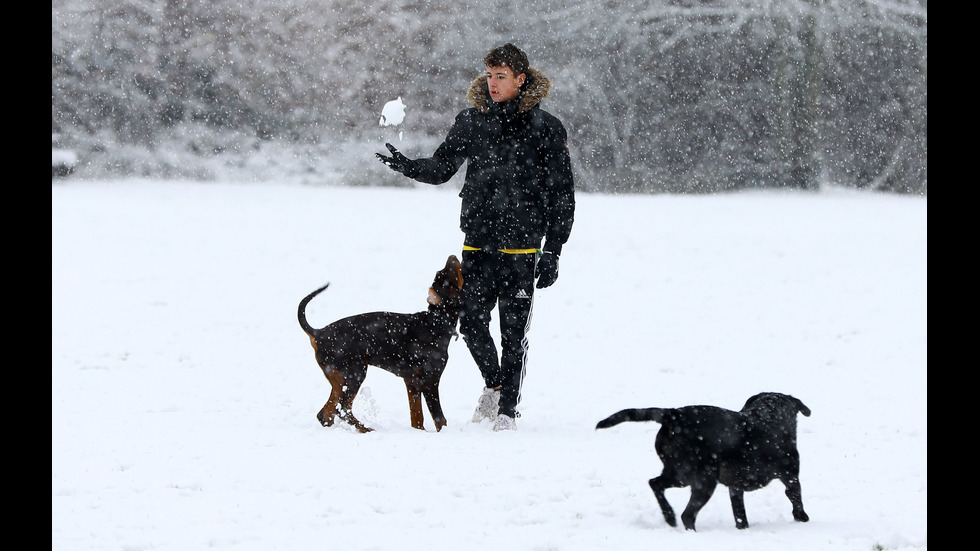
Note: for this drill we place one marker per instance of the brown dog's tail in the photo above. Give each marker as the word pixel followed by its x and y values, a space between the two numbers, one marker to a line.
pixel 301 311
pixel 643 414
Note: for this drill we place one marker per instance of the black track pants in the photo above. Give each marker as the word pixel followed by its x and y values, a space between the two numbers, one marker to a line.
pixel 504 280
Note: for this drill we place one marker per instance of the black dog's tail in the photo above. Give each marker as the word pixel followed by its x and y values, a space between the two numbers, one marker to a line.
pixel 301 311
pixel 644 414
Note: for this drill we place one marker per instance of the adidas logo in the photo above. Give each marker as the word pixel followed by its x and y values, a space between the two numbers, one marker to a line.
pixel 522 294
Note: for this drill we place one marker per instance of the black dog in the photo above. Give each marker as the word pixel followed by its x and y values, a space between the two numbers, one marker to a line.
pixel 414 347
pixel 701 446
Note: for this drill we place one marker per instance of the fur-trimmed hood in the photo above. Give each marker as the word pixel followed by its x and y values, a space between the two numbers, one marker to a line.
pixel 535 89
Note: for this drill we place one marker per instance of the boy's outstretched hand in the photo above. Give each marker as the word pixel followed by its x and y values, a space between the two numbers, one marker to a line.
pixel 398 162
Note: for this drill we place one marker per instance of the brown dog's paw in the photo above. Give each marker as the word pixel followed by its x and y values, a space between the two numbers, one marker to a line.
pixel 360 428
pixel 324 421
pixel 354 422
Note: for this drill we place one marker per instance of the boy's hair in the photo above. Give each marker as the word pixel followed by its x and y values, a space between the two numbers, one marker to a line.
pixel 508 55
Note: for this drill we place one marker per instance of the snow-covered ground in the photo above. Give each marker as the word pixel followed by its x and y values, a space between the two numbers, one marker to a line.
pixel 184 391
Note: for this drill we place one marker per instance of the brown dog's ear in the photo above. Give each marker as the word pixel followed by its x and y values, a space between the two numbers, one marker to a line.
pixel 456 268
pixel 434 298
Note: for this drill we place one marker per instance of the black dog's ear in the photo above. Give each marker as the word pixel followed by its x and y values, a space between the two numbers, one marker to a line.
pixel 802 407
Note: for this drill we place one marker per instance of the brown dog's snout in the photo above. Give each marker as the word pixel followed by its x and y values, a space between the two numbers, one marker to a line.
pixel 448 282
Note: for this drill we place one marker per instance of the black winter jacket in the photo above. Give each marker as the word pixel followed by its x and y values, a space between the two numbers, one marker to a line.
pixel 518 187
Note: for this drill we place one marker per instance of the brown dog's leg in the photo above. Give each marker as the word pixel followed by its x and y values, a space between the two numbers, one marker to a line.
pixel 355 377
pixel 329 410
pixel 415 403
pixel 431 392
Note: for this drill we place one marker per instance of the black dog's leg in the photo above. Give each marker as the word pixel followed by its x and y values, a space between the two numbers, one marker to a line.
pixel 700 494
pixel 658 485
pixel 795 494
pixel 738 508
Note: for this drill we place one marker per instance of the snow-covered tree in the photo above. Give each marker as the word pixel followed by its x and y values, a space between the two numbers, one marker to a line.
pixel 657 95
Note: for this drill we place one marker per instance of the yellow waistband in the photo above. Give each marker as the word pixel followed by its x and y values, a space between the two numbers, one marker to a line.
pixel 507 251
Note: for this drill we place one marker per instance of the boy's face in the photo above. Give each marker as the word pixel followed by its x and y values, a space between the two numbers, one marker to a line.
pixel 502 84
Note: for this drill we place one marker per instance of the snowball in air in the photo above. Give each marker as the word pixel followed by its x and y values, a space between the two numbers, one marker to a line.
pixel 393 113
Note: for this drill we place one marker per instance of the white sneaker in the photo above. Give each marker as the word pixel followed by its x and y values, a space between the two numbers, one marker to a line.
pixel 487 407
pixel 504 422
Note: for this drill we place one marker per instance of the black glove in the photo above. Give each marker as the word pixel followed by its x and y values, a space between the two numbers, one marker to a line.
pixel 547 270
pixel 398 162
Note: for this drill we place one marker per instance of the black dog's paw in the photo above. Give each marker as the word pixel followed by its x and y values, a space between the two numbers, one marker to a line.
pixel 801 516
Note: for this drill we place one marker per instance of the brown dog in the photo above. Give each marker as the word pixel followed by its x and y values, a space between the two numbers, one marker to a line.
pixel 413 346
